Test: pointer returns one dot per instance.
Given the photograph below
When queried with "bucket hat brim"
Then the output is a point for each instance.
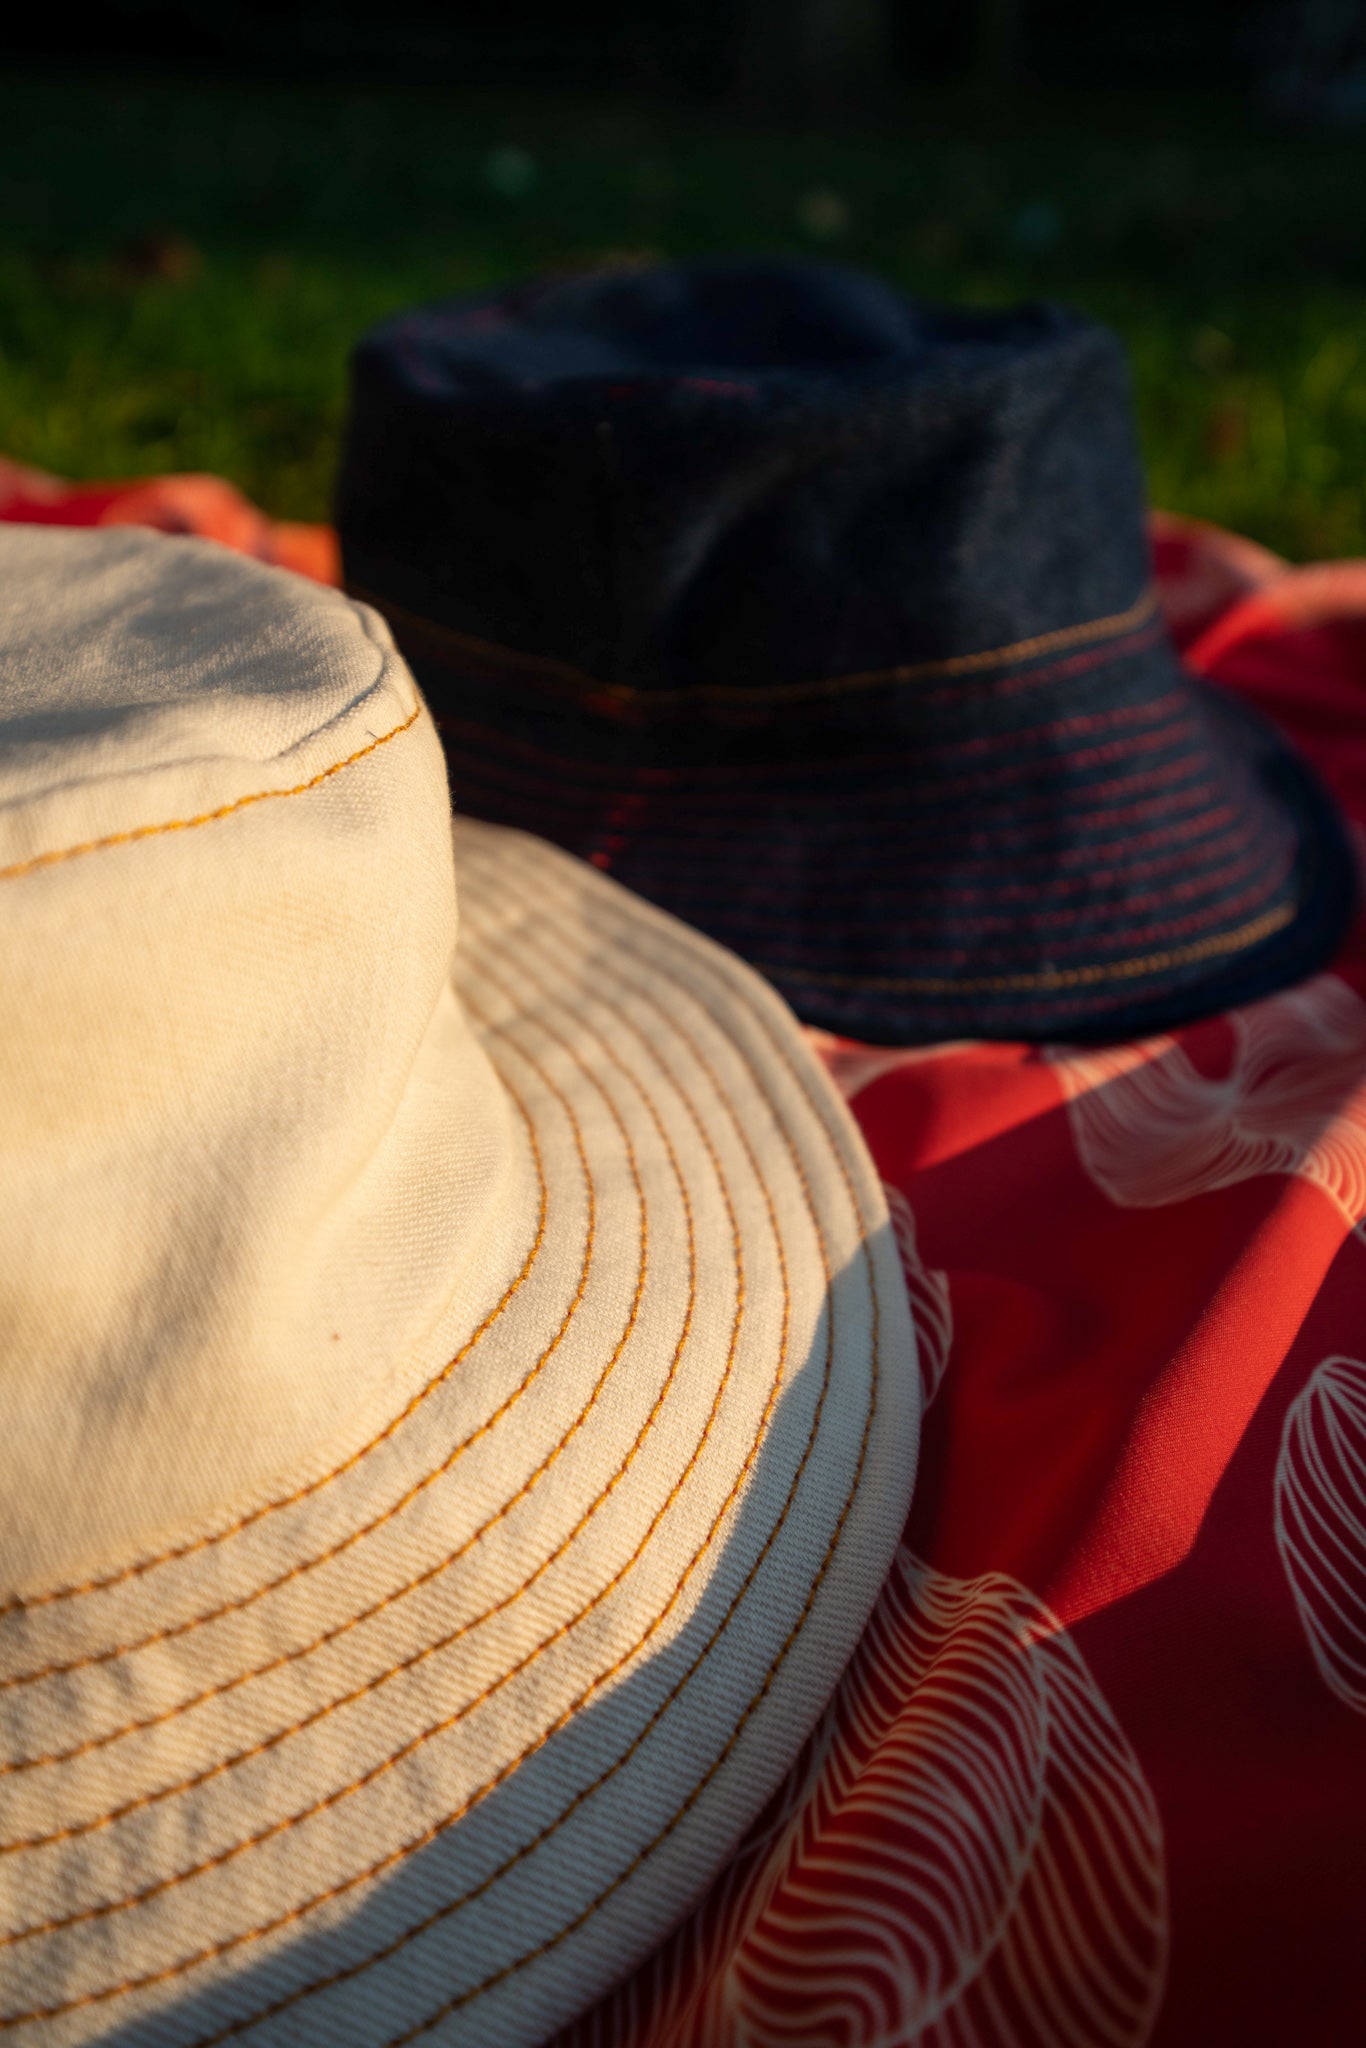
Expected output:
(1094, 844)
(438, 1738)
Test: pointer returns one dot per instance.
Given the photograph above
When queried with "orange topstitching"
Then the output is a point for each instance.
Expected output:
(745, 1716)
(1059, 977)
(174, 1630)
(241, 803)
(565, 676)
(27, 1603)
(331, 1635)
(358, 1969)
(390, 1762)
(432, 1648)
(755, 1701)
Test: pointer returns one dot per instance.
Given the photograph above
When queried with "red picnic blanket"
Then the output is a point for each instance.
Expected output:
(1097, 1773)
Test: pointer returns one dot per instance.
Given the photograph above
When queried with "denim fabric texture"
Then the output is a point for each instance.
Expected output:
(824, 619)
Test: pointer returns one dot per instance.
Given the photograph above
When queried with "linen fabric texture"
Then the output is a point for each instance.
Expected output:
(824, 618)
(456, 1419)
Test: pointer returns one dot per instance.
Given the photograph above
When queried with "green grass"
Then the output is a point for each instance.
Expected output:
(183, 266)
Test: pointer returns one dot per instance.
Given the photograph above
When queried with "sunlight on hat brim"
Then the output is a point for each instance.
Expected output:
(442, 1741)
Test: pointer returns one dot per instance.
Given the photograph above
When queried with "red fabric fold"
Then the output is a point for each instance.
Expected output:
(202, 505)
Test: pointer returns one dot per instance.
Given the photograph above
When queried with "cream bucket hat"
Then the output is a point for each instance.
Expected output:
(454, 1418)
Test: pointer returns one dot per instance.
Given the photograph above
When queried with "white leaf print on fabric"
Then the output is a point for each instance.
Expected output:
(1151, 1129)
(931, 1309)
(968, 1857)
(1320, 1520)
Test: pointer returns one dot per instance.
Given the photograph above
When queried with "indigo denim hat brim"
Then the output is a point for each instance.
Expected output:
(824, 618)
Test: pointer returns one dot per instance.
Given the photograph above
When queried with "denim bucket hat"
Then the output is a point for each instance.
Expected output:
(824, 618)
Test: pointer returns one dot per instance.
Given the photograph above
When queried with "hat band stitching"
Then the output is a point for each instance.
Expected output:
(720, 772)
(352, 1971)
(1239, 839)
(678, 846)
(466, 1628)
(1276, 873)
(1211, 879)
(566, 678)
(296, 1913)
(1202, 825)
(678, 810)
(1237, 941)
(1123, 648)
(1243, 848)
(242, 803)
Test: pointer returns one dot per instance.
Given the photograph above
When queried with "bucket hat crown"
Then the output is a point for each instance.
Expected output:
(830, 614)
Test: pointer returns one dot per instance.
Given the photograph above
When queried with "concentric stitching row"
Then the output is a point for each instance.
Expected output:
(717, 775)
(431, 1649)
(688, 814)
(355, 1970)
(27, 1603)
(1236, 941)
(465, 1998)
(755, 1702)
(507, 1770)
(241, 803)
(176, 1630)
(429, 634)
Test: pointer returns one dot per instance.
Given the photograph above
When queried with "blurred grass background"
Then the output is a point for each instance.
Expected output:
(184, 265)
